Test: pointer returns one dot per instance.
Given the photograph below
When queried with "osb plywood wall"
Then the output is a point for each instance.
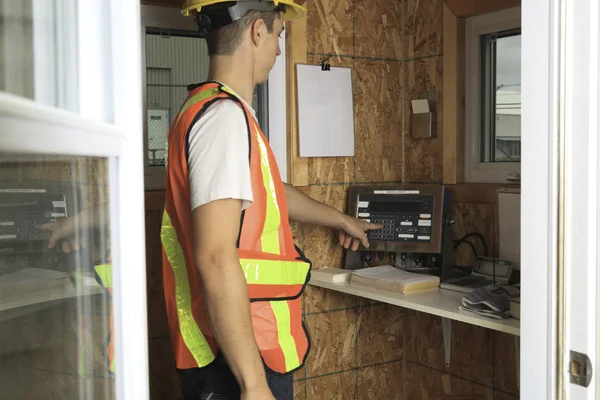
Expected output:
(56, 349)
(363, 349)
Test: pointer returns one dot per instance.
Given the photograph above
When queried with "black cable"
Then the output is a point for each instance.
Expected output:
(461, 241)
(480, 236)
(367, 258)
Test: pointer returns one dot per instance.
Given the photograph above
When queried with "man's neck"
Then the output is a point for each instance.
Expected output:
(237, 75)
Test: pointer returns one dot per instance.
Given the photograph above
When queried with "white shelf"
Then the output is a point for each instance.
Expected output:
(442, 302)
(14, 306)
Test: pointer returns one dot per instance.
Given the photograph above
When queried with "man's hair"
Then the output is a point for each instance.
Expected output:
(225, 40)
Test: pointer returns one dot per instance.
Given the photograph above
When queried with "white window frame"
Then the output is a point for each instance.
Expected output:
(104, 101)
(171, 18)
(475, 170)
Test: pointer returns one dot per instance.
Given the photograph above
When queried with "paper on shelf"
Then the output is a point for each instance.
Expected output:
(29, 280)
(393, 279)
(333, 275)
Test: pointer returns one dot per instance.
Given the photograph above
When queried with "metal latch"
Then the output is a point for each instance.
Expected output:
(580, 369)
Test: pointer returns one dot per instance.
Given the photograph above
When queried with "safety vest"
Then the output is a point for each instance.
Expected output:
(104, 273)
(275, 269)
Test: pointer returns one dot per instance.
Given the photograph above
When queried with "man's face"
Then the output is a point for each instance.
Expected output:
(269, 51)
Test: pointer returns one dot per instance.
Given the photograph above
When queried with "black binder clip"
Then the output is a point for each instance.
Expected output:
(325, 66)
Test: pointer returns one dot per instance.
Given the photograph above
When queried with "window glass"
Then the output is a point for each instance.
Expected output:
(501, 96)
(55, 303)
(37, 51)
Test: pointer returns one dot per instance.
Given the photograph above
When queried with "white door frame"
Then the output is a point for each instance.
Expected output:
(581, 189)
(539, 198)
(560, 192)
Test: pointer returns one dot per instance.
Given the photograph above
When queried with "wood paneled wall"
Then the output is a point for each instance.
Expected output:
(364, 349)
(360, 348)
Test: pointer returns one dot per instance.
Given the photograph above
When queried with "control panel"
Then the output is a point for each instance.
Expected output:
(417, 226)
(22, 212)
(404, 219)
(24, 207)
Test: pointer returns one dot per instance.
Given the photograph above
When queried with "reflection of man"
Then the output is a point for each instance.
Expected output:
(69, 234)
(236, 332)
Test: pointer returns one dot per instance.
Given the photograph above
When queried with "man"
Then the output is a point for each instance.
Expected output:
(232, 275)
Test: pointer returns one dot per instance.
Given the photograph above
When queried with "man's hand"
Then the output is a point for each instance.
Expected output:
(353, 232)
(257, 394)
(63, 231)
(306, 210)
(216, 229)
(70, 231)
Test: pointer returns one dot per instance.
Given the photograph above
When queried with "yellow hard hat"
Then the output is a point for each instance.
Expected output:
(291, 10)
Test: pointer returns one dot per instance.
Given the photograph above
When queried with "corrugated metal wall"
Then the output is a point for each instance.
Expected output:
(173, 62)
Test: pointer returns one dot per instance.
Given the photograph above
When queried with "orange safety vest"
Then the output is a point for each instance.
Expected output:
(104, 273)
(275, 269)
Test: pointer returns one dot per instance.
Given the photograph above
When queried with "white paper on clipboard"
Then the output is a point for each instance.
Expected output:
(325, 111)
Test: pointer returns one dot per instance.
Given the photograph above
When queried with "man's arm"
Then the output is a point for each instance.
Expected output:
(63, 228)
(302, 208)
(216, 228)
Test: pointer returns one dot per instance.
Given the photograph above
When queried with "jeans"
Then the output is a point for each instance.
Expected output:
(216, 382)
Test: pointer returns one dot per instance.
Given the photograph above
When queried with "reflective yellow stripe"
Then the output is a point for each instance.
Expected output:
(269, 239)
(113, 368)
(284, 334)
(198, 97)
(191, 334)
(274, 272)
(104, 271)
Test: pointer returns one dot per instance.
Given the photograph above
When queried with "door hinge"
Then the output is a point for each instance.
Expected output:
(580, 369)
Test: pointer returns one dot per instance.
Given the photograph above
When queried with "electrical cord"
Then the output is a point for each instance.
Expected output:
(468, 242)
(471, 234)
(367, 258)
(392, 257)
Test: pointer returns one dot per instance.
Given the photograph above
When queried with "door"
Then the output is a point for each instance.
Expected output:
(579, 311)
(559, 218)
(71, 191)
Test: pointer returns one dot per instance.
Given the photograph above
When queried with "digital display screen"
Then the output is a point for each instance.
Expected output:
(395, 206)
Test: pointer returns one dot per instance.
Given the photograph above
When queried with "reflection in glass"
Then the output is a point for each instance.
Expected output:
(55, 279)
(38, 56)
(501, 96)
(508, 99)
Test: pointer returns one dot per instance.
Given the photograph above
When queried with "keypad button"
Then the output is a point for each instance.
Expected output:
(412, 230)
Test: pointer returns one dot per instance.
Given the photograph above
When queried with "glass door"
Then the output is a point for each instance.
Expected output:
(71, 191)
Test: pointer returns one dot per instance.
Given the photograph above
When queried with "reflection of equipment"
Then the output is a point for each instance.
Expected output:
(487, 272)
(417, 225)
(24, 208)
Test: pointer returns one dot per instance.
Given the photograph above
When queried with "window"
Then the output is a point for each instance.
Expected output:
(175, 57)
(493, 97)
(70, 117)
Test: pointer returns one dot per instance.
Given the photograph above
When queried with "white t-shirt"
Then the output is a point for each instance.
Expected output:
(218, 155)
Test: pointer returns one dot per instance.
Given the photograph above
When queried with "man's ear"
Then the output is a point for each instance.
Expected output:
(258, 30)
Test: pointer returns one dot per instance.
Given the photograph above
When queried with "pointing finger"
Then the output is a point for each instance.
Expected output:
(374, 227)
